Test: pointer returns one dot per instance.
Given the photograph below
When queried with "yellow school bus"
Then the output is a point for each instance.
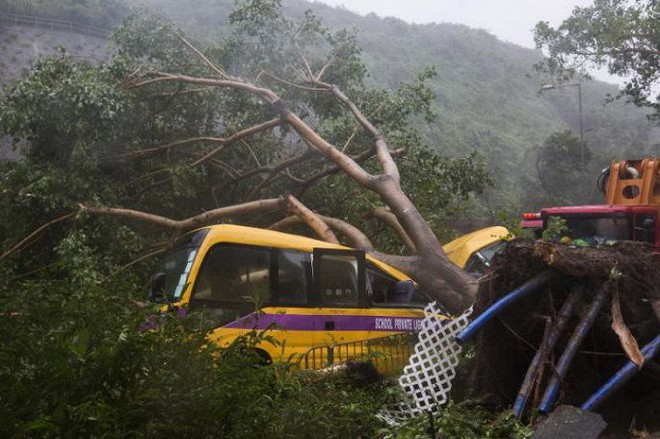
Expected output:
(308, 294)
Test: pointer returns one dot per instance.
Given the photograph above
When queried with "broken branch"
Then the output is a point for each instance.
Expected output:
(192, 222)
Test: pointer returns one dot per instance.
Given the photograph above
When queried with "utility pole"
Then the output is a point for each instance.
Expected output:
(579, 87)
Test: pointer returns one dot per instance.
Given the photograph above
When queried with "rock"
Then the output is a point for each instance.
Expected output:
(568, 422)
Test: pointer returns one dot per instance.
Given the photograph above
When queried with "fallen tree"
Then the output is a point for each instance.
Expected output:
(429, 266)
(272, 122)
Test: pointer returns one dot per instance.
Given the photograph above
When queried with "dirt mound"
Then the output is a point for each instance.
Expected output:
(628, 272)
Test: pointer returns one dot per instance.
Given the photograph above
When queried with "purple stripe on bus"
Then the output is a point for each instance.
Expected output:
(307, 322)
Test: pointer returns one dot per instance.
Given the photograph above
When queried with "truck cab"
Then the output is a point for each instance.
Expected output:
(600, 224)
(632, 205)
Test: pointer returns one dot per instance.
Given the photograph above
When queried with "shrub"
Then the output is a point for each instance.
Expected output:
(74, 364)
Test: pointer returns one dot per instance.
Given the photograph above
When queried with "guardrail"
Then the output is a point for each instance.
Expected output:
(388, 354)
(53, 24)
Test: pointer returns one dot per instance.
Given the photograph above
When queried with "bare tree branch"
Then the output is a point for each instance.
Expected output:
(393, 223)
(192, 222)
(222, 140)
(27, 239)
(149, 78)
(207, 61)
(167, 146)
(275, 170)
(321, 72)
(249, 148)
(352, 233)
(143, 257)
(382, 149)
(309, 181)
(311, 219)
(310, 75)
(289, 83)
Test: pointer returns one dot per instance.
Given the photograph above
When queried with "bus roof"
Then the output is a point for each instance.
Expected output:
(460, 249)
(271, 238)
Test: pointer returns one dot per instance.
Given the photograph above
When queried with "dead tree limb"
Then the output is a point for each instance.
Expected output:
(357, 238)
(390, 219)
(23, 242)
(192, 222)
(628, 342)
(311, 219)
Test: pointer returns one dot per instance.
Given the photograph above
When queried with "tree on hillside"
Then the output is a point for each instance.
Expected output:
(621, 35)
(245, 130)
(558, 165)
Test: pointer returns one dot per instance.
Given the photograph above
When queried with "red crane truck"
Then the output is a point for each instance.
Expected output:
(630, 212)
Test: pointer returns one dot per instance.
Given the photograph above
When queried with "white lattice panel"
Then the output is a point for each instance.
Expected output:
(427, 379)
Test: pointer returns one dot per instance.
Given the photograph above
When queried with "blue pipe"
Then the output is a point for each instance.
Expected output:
(547, 346)
(621, 377)
(572, 347)
(506, 301)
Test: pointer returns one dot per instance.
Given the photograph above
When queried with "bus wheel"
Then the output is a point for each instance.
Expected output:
(264, 358)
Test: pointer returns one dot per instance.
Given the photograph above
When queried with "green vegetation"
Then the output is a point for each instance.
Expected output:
(456, 421)
(74, 362)
(556, 229)
(559, 165)
(619, 35)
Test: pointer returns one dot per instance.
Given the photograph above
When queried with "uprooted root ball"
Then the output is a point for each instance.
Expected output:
(506, 346)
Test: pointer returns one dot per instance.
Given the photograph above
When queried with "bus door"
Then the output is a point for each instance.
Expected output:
(340, 291)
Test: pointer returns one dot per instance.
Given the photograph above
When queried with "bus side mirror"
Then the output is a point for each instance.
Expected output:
(156, 293)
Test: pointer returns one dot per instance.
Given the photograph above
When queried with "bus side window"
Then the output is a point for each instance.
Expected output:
(385, 290)
(378, 286)
(339, 285)
(234, 273)
(475, 265)
(294, 276)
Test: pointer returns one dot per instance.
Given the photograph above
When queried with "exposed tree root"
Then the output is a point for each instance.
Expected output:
(505, 347)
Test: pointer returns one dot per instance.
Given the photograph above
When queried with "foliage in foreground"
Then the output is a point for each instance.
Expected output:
(75, 364)
(456, 421)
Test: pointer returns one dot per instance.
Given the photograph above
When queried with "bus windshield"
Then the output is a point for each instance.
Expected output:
(178, 262)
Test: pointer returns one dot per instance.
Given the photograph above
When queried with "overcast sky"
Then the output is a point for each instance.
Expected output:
(509, 20)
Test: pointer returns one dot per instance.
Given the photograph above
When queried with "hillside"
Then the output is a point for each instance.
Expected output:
(486, 97)
(22, 44)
